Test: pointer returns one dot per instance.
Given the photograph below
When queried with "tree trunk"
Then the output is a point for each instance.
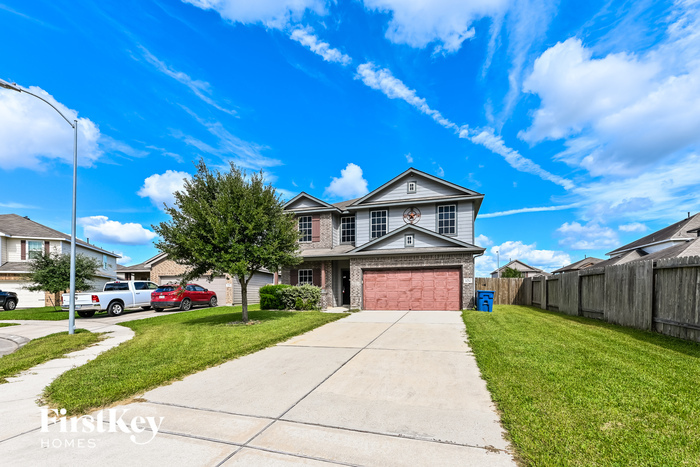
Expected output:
(244, 298)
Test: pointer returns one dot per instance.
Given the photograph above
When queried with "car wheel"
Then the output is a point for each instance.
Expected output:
(86, 314)
(213, 302)
(157, 310)
(10, 305)
(186, 304)
(115, 309)
(145, 307)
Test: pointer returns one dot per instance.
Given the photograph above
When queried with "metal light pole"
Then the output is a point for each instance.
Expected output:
(74, 125)
(498, 261)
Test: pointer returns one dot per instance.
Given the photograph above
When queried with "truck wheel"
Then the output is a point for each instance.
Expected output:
(115, 309)
(10, 305)
(86, 314)
(213, 302)
(186, 304)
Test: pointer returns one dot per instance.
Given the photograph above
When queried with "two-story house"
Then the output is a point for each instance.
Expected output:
(21, 239)
(408, 245)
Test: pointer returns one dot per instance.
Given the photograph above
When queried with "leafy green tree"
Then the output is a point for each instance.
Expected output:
(229, 223)
(51, 272)
(510, 272)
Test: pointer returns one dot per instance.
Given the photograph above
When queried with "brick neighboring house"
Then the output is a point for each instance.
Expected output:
(525, 269)
(161, 270)
(21, 238)
(409, 244)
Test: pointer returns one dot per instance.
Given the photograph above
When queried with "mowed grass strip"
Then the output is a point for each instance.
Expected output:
(44, 349)
(167, 348)
(576, 391)
(4, 325)
(44, 313)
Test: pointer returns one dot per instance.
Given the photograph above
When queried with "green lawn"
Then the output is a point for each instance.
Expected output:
(44, 349)
(167, 348)
(45, 313)
(2, 325)
(575, 391)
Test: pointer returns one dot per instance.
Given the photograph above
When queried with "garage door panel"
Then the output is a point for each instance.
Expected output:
(420, 289)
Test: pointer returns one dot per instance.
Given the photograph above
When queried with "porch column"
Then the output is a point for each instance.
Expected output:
(276, 279)
(323, 275)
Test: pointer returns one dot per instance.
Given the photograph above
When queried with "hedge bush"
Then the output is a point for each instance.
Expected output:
(290, 297)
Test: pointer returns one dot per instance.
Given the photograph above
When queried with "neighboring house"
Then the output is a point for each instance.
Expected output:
(408, 245)
(21, 239)
(525, 269)
(677, 240)
(161, 270)
(578, 265)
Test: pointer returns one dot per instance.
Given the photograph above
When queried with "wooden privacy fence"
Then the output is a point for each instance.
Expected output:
(508, 291)
(663, 295)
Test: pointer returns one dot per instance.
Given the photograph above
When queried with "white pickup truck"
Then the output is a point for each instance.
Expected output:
(114, 298)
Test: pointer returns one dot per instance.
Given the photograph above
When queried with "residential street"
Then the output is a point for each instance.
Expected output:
(376, 388)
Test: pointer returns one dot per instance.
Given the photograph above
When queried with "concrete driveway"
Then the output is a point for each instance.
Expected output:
(375, 388)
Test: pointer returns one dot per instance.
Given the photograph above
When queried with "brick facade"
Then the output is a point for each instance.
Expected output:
(166, 267)
(326, 240)
(328, 298)
(463, 260)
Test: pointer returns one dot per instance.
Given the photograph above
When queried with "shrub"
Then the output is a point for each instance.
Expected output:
(271, 297)
(301, 297)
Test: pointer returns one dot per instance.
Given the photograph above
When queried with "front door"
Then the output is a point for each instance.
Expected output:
(346, 286)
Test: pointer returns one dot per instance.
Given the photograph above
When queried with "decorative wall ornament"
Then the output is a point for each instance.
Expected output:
(411, 215)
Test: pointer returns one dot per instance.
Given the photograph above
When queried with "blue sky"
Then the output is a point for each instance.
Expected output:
(579, 121)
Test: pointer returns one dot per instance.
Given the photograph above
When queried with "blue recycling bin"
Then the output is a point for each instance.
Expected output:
(484, 300)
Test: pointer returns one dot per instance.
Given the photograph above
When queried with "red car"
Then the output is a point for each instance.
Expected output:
(172, 295)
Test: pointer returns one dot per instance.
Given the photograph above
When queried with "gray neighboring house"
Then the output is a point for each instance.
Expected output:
(675, 241)
(21, 239)
(525, 269)
(407, 245)
(578, 265)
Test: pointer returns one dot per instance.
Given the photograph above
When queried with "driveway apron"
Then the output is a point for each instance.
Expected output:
(389, 388)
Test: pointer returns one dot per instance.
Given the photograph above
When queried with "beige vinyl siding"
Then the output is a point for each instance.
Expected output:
(111, 270)
(14, 250)
(258, 280)
(3, 250)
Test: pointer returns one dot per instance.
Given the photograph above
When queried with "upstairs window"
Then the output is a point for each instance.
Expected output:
(347, 229)
(35, 249)
(306, 276)
(305, 228)
(447, 219)
(378, 223)
(409, 240)
(105, 262)
(411, 187)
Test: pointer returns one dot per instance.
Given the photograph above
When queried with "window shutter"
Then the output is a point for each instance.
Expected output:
(316, 228)
(316, 277)
(47, 248)
(294, 277)
(23, 251)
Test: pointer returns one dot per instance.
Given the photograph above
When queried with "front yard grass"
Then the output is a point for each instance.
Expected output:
(44, 349)
(167, 348)
(44, 313)
(575, 391)
(2, 325)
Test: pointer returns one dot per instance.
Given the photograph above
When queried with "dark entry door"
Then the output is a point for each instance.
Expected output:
(346, 286)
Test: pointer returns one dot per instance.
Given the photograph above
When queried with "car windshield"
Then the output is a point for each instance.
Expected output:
(116, 286)
(166, 288)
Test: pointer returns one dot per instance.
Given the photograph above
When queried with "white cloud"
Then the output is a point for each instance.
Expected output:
(526, 210)
(124, 260)
(270, 13)
(529, 254)
(101, 229)
(483, 240)
(382, 80)
(633, 227)
(591, 236)
(350, 185)
(623, 112)
(447, 23)
(12, 205)
(32, 132)
(409, 158)
(307, 38)
(440, 172)
(160, 187)
(201, 89)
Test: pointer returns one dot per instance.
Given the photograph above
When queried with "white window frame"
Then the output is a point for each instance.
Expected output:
(371, 224)
(307, 280)
(411, 186)
(30, 250)
(409, 240)
(310, 229)
(442, 229)
(342, 227)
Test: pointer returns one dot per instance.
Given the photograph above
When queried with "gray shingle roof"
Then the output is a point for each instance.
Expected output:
(136, 267)
(14, 267)
(681, 229)
(578, 265)
(18, 226)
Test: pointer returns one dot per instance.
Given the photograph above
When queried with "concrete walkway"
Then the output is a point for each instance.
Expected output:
(376, 388)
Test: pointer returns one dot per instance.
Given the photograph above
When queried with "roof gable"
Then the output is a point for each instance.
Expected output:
(437, 240)
(427, 186)
(519, 266)
(684, 229)
(304, 201)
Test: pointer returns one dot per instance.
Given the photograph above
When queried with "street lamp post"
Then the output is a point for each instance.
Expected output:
(498, 262)
(74, 125)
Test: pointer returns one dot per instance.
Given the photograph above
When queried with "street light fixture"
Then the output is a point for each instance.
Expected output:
(74, 125)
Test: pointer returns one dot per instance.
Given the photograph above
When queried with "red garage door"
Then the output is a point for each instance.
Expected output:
(417, 289)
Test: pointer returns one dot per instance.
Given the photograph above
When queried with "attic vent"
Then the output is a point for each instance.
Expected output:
(411, 187)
